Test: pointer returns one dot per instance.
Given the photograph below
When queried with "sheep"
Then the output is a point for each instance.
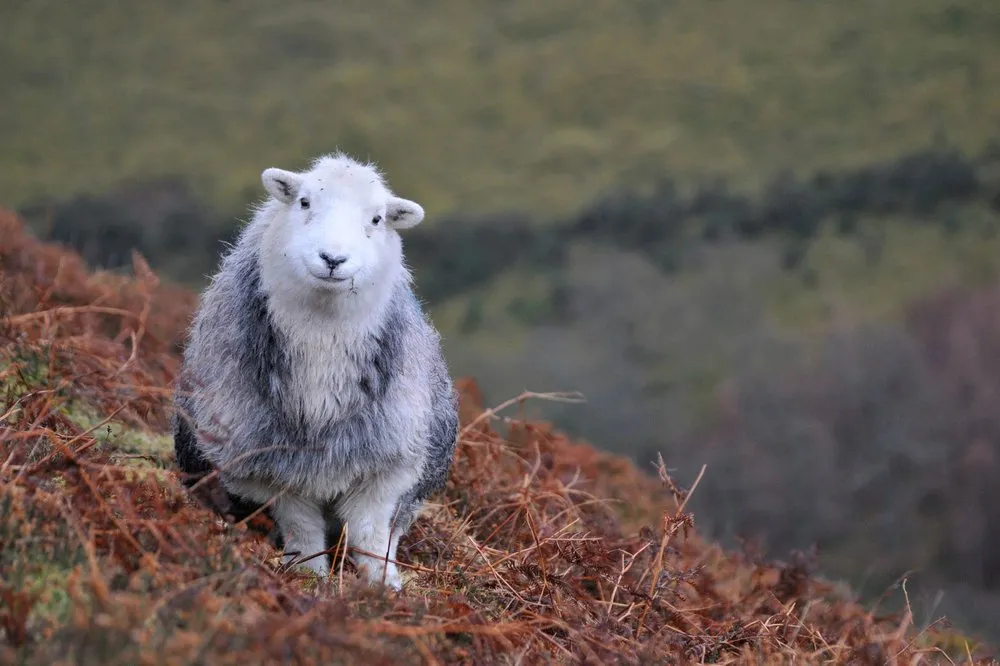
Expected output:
(312, 378)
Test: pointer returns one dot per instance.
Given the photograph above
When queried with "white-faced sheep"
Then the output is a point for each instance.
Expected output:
(312, 376)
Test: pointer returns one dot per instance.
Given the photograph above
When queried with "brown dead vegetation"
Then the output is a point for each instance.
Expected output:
(540, 550)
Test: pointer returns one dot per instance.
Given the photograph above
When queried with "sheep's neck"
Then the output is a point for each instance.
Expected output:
(324, 346)
(339, 314)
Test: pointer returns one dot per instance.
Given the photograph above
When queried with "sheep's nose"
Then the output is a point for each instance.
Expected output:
(332, 262)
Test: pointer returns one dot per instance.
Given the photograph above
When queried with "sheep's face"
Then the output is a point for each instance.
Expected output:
(337, 226)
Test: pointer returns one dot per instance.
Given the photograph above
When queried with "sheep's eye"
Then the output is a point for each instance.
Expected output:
(376, 219)
(304, 203)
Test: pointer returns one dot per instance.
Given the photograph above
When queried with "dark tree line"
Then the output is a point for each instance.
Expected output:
(165, 221)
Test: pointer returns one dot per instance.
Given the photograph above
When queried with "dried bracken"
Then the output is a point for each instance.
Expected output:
(541, 550)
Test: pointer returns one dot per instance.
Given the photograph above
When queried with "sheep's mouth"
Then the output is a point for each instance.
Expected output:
(335, 282)
(330, 278)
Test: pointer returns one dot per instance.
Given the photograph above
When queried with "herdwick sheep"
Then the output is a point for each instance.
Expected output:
(312, 378)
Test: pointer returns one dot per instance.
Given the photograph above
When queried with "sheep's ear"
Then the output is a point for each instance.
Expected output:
(282, 185)
(403, 213)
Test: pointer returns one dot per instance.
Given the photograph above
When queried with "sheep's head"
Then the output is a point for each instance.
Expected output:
(335, 227)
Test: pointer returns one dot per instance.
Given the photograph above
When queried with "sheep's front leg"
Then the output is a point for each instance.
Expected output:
(303, 529)
(368, 515)
(402, 521)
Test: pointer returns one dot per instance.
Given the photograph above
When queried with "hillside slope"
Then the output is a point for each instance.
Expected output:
(477, 105)
(540, 550)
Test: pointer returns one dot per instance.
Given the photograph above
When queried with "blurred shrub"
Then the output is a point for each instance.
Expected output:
(163, 219)
(457, 255)
(883, 449)
(98, 229)
(960, 338)
(852, 442)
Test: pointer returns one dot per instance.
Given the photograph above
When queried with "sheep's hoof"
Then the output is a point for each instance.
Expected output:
(309, 571)
(395, 584)
(390, 579)
(309, 568)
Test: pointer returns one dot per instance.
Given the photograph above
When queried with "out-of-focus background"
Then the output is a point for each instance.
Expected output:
(759, 236)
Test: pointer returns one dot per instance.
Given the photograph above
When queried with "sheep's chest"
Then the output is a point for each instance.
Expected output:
(325, 378)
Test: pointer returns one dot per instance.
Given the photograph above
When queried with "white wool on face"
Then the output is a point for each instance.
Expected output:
(337, 214)
(344, 199)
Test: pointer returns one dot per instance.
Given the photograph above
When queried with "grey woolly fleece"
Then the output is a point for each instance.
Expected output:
(242, 409)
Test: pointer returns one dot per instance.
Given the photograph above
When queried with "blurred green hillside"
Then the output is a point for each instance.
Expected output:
(478, 105)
